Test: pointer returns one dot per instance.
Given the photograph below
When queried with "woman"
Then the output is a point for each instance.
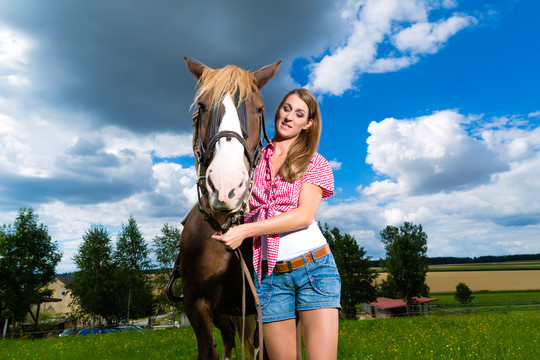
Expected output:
(296, 273)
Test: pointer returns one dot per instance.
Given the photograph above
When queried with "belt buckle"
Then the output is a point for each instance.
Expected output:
(289, 266)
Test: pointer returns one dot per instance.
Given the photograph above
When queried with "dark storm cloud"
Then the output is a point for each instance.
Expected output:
(26, 191)
(122, 61)
(518, 220)
(85, 174)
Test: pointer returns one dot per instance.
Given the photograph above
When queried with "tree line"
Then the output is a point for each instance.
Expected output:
(115, 282)
(118, 281)
(111, 280)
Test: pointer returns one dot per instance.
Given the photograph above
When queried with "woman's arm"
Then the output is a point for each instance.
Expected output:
(302, 216)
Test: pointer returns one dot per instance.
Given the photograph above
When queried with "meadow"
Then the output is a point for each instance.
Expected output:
(493, 336)
(502, 322)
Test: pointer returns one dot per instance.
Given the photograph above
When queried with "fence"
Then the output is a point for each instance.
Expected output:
(430, 309)
(488, 307)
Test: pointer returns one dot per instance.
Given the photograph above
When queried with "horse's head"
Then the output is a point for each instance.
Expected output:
(227, 131)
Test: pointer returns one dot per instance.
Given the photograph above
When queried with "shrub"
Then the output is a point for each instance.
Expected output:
(463, 293)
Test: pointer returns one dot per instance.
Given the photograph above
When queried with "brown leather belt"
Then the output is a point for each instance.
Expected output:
(296, 263)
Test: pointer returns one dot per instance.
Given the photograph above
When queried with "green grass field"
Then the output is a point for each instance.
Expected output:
(494, 336)
(490, 302)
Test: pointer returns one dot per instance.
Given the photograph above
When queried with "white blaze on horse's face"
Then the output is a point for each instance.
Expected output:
(227, 175)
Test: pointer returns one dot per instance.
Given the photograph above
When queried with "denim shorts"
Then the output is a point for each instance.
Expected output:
(314, 286)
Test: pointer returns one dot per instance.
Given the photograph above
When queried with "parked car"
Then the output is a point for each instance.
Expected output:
(94, 331)
(67, 332)
(115, 329)
(129, 327)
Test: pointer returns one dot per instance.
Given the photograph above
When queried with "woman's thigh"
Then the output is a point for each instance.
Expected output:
(280, 339)
(320, 330)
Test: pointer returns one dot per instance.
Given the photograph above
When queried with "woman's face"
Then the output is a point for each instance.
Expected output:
(292, 118)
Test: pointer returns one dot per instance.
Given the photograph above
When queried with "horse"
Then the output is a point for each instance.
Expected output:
(228, 135)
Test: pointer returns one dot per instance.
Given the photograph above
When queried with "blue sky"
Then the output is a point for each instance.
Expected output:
(430, 111)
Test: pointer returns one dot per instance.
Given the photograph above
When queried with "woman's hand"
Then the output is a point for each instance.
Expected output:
(300, 217)
(233, 238)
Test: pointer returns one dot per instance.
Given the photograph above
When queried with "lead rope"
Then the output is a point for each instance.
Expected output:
(246, 275)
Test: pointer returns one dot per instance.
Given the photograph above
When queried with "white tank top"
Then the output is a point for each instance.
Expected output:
(297, 242)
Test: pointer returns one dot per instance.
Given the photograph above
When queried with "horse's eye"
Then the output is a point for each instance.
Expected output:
(202, 107)
(260, 110)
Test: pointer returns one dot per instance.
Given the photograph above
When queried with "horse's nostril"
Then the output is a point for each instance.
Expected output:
(211, 184)
(231, 194)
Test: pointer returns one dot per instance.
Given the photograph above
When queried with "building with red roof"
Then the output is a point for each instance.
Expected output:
(386, 307)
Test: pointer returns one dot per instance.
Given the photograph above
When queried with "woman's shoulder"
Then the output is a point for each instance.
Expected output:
(318, 160)
(318, 165)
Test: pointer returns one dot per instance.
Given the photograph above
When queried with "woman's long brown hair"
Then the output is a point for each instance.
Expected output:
(306, 144)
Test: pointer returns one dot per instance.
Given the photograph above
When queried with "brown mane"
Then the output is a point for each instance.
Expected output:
(227, 80)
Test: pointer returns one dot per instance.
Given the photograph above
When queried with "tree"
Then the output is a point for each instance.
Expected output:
(166, 246)
(357, 276)
(132, 260)
(28, 258)
(463, 293)
(93, 286)
(166, 249)
(406, 262)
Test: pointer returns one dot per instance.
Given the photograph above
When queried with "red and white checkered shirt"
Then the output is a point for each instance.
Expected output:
(267, 198)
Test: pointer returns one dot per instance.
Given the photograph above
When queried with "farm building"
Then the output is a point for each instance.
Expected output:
(57, 304)
(59, 292)
(385, 307)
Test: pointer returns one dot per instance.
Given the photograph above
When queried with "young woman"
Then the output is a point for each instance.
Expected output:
(295, 271)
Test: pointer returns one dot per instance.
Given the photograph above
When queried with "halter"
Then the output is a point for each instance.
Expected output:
(203, 156)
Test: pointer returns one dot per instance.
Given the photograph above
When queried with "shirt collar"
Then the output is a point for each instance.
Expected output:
(270, 148)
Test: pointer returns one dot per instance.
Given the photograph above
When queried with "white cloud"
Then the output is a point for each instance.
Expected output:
(14, 56)
(510, 139)
(428, 154)
(476, 218)
(391, 64)
(427, 38)
(394, 216)
(335, 164)
(403, 23)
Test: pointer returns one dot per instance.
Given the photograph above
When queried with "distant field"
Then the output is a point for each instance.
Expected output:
(507, 276)
(492, 266)
(491, 297)
(509, 265)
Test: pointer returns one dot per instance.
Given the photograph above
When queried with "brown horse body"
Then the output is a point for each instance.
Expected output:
(212, 283)
(211, 274)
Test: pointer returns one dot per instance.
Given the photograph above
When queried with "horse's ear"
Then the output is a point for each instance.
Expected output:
(263, 75)
(195, 69)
